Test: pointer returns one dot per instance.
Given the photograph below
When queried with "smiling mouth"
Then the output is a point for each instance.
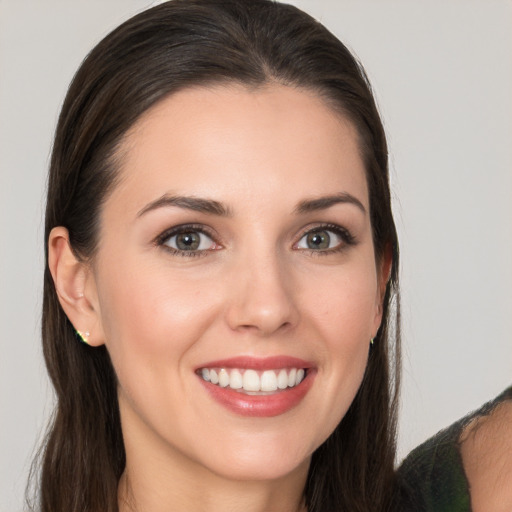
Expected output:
(252, 381)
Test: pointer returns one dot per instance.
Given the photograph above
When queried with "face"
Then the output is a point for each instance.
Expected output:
(235, 282)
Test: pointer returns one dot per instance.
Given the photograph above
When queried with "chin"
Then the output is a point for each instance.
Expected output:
(262, 470)
(266, 459)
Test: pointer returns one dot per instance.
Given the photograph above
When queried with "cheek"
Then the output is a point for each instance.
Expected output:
(152, 318)
(348, 325)
(343, 316)
(344, 308)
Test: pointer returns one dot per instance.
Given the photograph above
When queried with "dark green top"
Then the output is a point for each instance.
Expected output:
(431, 478)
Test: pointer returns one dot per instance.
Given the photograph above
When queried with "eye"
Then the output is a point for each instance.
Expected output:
(319, 240)
(325, 239)
(187, 239)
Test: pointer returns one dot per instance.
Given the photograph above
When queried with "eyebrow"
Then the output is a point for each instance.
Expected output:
(322, 203)
(208, 206)
(212, 207)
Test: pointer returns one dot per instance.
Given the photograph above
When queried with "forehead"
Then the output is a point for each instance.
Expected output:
(242, 143)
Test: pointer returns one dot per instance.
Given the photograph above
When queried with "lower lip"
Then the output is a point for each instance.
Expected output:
(262, 406)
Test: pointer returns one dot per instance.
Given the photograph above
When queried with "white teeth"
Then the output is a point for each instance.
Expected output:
(268, 381)
(235, 381)
(223, 378)
(253, 381)
(282, 380)
(292, 377)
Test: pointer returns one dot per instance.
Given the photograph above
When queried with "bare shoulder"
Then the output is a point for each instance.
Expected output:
(486, 448)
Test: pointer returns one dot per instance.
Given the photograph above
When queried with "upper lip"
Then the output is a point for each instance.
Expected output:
(258, 363)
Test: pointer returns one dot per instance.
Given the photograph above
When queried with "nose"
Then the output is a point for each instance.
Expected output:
(262, 297)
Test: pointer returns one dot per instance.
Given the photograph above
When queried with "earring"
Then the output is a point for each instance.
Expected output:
(371, 341)
(83, 336)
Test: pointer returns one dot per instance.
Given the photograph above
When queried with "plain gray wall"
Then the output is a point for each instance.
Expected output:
(442, 72)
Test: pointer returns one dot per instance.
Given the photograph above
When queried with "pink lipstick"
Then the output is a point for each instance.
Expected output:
(261, 387)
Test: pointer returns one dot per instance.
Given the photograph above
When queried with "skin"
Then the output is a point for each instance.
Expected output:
(486, 445)
(256, 290)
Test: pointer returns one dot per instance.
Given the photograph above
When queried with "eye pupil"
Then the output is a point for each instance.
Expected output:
(188, 241)
(318, 240)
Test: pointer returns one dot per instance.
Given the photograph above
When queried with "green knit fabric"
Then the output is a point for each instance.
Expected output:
(432, 478)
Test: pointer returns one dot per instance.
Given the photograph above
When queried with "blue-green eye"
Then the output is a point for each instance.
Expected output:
(189, 240)
(325, 239)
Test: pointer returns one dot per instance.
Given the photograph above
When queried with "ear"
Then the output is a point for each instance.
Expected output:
(75, 287)
(383, 275)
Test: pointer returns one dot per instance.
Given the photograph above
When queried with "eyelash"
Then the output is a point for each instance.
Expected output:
(186, 228)
(347, 239)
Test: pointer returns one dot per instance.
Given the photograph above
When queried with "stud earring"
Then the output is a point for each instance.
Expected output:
(83, 336)
(371, 341)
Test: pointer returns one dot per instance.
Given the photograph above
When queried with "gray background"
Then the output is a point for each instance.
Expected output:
(442, 72)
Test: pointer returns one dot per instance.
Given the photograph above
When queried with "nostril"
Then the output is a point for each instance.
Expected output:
(264, 305)
(264, 328)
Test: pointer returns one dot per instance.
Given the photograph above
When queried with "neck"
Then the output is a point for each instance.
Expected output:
(154, 491)
(158, 477)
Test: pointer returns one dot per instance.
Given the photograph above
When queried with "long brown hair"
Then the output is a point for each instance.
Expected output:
(175, 45)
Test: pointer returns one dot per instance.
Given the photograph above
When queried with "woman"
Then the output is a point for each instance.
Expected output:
(464, 468)
(222, 260)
